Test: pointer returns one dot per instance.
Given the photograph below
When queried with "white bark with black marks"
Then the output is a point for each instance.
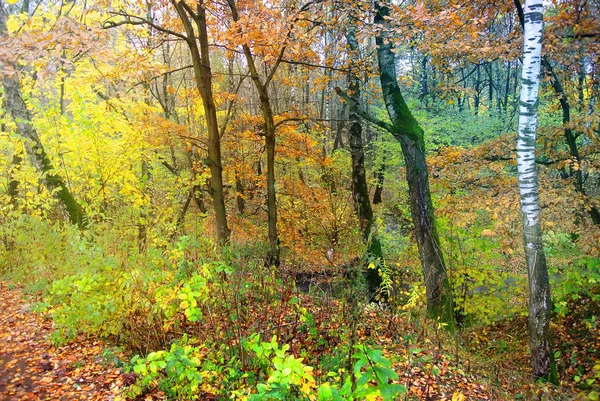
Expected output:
(539, 287)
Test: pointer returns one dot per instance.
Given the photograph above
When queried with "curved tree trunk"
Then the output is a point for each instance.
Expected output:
(539, 287)
(407, 131)
(262, 87)
(203, 77)
(35, 150)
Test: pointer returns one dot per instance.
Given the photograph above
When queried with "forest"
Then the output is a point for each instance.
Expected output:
(300, 200)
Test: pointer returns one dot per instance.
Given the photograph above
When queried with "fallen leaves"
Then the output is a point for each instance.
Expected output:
(32, 369)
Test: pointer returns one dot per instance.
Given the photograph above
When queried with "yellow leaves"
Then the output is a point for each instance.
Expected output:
(320, 82)
(458, 396)
(488, 233)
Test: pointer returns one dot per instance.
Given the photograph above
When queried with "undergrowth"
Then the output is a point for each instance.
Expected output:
(201, 323)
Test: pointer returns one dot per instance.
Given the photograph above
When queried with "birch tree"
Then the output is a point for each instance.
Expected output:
(539, 287)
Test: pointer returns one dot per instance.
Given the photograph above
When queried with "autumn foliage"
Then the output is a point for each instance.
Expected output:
(173, 284)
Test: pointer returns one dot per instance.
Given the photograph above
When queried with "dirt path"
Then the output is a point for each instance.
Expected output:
(32, 369)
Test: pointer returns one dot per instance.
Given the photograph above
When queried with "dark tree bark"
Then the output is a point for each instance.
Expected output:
(477, 88)
(199, 50)
(379, 176)
(360, 189)
(239, 187)
(506, 90)
(13, 183)
(407, 131)
(262, 86)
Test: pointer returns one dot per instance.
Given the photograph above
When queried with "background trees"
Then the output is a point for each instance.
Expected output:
(214, 131)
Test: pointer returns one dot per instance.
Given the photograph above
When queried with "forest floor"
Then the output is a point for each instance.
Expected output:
(31, 368)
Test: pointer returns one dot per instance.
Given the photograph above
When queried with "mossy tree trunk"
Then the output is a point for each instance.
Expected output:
(13, 100)
(407, 131)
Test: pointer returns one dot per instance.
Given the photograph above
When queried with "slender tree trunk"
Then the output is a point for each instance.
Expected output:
(182, 213)
(506, 90)
(360, 189)
(146, 182)
(407, 131)
(33, 146)
(424, 84)
(379, 176)
(262, 86)
(203, 76)
(477, 90)
(490, 73)
(539, 287)
(570, 138)
(198, 198)
(13, 183)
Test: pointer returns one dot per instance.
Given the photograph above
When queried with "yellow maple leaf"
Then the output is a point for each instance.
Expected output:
(458, 396)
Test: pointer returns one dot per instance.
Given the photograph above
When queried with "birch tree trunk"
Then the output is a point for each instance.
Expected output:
(539, 287)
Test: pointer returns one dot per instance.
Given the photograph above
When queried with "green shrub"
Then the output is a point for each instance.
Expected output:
(176, 371)
(580, 278)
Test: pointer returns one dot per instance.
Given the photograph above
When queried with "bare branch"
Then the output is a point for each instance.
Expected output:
(135, 20)
(386, 126)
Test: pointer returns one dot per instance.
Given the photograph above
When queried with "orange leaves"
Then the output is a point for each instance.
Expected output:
(32, 369)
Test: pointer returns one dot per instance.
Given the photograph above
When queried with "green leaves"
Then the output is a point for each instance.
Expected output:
(175, 371)
(372, 366)
(194, 291)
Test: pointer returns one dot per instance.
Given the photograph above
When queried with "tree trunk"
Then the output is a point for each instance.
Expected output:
(410, 135)
(360, 189)
(267, 111)
(146, 179)
(506, 91)
(13, 183)
(477, 97)
(539, 287)
(239, 188)
(33, 146)
(570, 138)
(380, 176)
(203, 78)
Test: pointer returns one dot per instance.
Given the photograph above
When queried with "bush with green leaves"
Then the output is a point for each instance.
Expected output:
(580, 278)
(91, 302)
(176, 371)
(373, 377)
(290, 379)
